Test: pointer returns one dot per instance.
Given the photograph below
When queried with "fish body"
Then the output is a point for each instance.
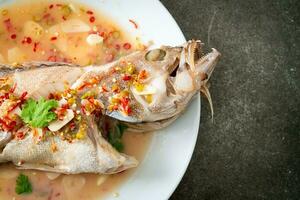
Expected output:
(146, 89)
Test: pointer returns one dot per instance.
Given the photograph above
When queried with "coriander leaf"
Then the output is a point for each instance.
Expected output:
(23, 184)
(38, 113)
(115, 136)
(122, 128)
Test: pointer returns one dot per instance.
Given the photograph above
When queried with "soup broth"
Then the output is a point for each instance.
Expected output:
(67, 32)
(60, 31)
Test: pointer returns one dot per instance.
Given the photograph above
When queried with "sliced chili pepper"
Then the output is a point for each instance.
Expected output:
(46, 15)
(35, 46)
(89, 12)
(117, 47)
(13, 36)
(126, 77)
(20, 135)
(134, 23)
(8, 25)
(127, 46)
(92, 19)
(53, 38)
(52, 58)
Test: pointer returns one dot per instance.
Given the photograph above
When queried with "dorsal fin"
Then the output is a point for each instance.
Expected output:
(6, 69)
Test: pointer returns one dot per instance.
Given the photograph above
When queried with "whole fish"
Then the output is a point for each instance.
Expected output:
(146, 89)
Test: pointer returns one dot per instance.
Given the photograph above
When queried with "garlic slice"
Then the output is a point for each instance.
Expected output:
(94, 39)
(58, 124)
(75, 26)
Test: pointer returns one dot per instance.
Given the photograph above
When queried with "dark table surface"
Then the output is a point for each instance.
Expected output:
(252, 149)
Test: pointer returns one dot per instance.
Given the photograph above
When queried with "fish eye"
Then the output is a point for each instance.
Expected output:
(155, 55)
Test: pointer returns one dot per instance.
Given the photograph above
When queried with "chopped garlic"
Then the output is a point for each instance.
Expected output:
(58, 124)
(62, 102)
(94, 39)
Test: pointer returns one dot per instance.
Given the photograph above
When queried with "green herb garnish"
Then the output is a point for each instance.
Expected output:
(23, 185)
(38, 113)
(115, 136)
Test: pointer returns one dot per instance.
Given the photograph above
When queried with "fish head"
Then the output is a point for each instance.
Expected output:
(168, 77)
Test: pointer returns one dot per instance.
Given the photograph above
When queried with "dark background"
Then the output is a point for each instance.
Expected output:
(252, 150)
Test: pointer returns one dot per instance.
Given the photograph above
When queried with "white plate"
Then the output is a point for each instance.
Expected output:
(171, 149)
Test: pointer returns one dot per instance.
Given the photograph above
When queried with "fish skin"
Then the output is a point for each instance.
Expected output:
(39, 79)
(180, 76)
(90, 155)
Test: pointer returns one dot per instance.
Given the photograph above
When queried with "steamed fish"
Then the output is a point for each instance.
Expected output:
(50, 112)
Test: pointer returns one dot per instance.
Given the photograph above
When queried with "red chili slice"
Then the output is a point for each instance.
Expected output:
(52, 58)
(134, 23)
(92, 19)
(29, 40)
(117, 47)
(53, 38)
(82, 108)
(13, 36)
(20, 135)
(127, 46)
(126, 77)
(46, 15)
(7, 123)
(109, 57)
(125, 105)
(13, 88)
(89, 12)
(8, 25)
(35, 46)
